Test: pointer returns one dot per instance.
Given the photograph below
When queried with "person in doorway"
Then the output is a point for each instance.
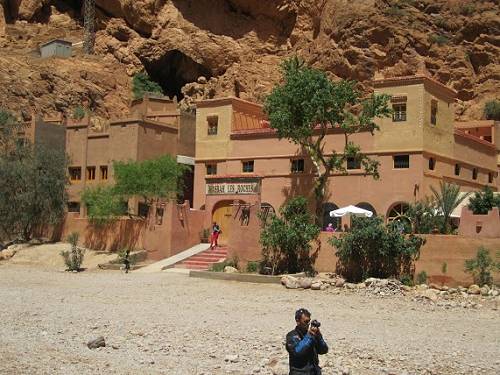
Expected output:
(216, 231)
(330, 228)
(303, 345)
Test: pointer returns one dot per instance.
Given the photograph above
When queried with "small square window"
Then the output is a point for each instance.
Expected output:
(353, 163)
(248, 166)
(457, 169)
(104, 172)
(474, 173)
(75, 173)
(143, 209)
(432, 163)
(401, 161)
(297, 165)
(213, 123)
(90, 173)
(73, 206)
(434, 110)
(211, 169)
(399, 112)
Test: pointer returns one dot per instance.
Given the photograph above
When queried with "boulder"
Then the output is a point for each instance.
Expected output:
(96, 343)
(474, 289)
(316, 286)
(339, 283)
(290, 282)
(7, 253)
(430, 294)
(305, 282)
(229, 269)
(485, 290)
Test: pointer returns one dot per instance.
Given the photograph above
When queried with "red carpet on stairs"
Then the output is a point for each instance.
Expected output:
(204, 260)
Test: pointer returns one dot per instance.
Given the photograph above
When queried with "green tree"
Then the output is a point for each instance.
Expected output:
(33, 185)
(492, 110)
(447, 198)
(78, 112)
(423, 216)
(142, 83)
(481, 267)
(372, 249)
(286, 240)
(73, 259)
(103, 204)
(306, 106)
(483, 201)
(149, 179)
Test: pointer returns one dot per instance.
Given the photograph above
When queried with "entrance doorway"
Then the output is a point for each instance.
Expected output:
(222, 214)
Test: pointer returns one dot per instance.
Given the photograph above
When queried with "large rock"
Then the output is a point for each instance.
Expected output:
(305, 282)
(474, 289)
(29, 8)
(290, 282)
(430, 294)
(96, 343)
(229, 269)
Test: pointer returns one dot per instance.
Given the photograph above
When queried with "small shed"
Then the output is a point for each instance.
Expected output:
(56, 47)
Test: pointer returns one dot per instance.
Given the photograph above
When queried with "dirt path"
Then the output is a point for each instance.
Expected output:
(171, 324)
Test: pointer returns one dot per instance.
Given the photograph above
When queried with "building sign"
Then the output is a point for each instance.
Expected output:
(233, 187)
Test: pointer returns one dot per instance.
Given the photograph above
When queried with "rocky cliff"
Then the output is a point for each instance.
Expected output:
(237, 46)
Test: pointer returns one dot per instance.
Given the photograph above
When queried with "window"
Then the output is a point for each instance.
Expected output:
(75, 173)
(159, 215)
(490, 177)
(213, 122)
(248, 166)
(90, 173)
(457, 169)
(353, 163)
(297, 165)
(399, 112)
(432, 163)
(474, 173)
(104, 172)
(73, 206)
(211, 168)
(401, 161)
(434, 110)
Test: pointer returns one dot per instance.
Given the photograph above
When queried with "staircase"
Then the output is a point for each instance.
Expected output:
(203, 260)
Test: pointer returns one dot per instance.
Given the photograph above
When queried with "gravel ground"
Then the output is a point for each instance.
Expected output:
(171, 324)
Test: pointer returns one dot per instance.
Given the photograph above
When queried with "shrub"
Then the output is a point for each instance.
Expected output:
(467, 9)
(423, 216)
(421, 277)
(219, 266)
(439, 39)
(73, 258)
(253, 267)
(483, 201)
(286, 240)
(142, 83)
(78, 113)
(444, 267)
(481, 266)
(371, 249)
(406, 280)
(492, 110)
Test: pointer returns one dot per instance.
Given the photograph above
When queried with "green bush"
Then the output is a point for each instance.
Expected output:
(421, 278)
(73, 259)
(439, 39)
(492, 110)
(286, 240)
(395, 10)
(78, 113)
(253, 267)
(406, 280)
(372, 249)
(483, 201)
(142, 83)
(219, 267)
(467, 9)
(482, 266)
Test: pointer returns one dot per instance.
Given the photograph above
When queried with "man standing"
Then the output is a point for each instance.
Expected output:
(215, 235)
(304, 344)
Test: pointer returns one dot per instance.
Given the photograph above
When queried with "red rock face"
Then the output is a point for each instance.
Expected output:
(237, 45)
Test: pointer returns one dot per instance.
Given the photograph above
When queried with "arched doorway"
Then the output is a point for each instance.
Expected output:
(222, 213)
(327, 219)
(266, 210)
(367, 206)
(398, 215)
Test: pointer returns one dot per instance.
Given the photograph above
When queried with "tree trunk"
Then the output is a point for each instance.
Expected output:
(319, 196)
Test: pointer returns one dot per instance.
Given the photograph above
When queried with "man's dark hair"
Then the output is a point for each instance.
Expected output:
(300, 312)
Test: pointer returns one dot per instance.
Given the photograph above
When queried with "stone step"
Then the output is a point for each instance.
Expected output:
(207, 258)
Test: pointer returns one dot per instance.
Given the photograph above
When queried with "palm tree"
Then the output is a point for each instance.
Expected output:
(447, 199)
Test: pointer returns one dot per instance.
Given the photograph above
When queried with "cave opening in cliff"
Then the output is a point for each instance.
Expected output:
(173, 70)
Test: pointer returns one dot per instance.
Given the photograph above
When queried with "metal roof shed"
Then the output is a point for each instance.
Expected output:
(56, 47)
